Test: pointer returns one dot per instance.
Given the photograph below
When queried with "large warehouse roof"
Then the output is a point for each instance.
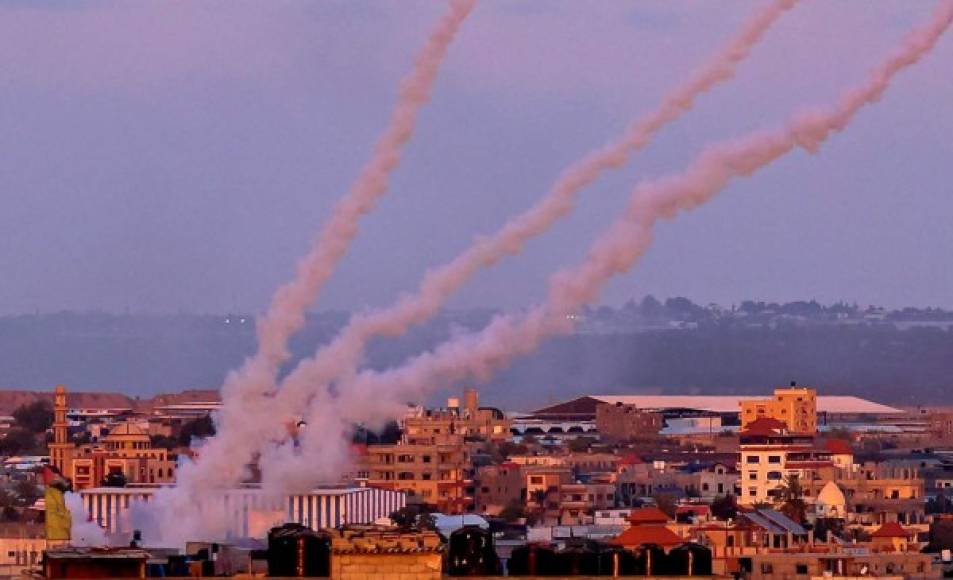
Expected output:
(712, 403)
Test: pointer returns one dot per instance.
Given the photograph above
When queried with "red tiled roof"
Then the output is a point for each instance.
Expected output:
(651, 534)
(765, 426)
(891, 530)
(648, 515)
(701, 510)
(838, 447)
(630, 459)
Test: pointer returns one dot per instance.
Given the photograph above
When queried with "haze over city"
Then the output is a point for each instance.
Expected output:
(365, 290)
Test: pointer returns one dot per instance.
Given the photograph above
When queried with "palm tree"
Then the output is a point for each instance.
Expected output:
(791, 498)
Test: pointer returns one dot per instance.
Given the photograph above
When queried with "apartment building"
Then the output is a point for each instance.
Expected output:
(770, 453)
(497, 486)
(795, 406)
(622, 422)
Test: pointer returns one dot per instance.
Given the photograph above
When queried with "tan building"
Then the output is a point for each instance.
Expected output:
(21, 547)
(433, 468)
(621, 422)
(362, 554)
(127, 450)
(794, 406)
(875, 494)
(470, 420)
(770, 454)
(498, 486)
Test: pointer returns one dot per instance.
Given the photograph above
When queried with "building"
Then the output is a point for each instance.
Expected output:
(359, 554)
(648, 526)
(21, 547)
(471, 420)
(498, 486)
(830, 408)
(621, 422)
(432, 460)
(770, 454)
(796, 407)
(73, 562)
(252, 513)
(126, 450)
(434, 468)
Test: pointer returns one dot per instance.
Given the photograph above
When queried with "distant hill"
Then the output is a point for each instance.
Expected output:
(901, 357)
(11, 399)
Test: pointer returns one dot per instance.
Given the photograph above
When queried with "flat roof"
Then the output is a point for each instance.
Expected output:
(843, 404)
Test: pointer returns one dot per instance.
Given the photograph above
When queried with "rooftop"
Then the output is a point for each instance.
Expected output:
(586, 405)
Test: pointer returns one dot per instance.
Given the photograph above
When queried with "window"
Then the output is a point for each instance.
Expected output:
(753, 459)
(774, 459)
(705, 487)
(753, 491)
(753, 475)
(800, 569)
(775, 476)
(426, 458)
(536, 479)
(767, 568)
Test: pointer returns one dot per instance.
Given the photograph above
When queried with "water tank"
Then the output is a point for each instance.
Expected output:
(579, 558)
(615, 561)
(690, 559)
(650, 560)
(533, 560)
(297, 551)
(471, 553)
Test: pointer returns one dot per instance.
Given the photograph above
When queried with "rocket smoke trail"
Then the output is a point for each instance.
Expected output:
(375, 395)
(344, 353)
(244, 387)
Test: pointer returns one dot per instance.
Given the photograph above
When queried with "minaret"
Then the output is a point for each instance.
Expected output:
(60, 449)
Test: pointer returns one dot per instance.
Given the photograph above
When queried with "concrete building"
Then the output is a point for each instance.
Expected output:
(21, 547)
(498, 486)
(770, 454)
(252, 514)
(622, 422)
(126, 450)
(796, 407)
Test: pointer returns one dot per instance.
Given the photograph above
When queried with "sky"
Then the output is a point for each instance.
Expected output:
(181, 156)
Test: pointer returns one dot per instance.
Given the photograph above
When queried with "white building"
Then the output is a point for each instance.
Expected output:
(252, 513)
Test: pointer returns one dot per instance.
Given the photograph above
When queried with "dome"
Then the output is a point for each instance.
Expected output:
(831, 495)
(831, 502)
(127, 431)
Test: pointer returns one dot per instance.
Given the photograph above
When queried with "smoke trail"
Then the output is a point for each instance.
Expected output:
(343, 354)
(244, 388)
(374, 395)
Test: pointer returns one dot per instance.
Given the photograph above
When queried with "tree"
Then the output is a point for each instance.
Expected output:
(724, 507)
(666, 502)
(791, 498)
(198, 428)
(580, 444)
(513, 511)
(17, 440)
(114, 479)
(35, 417)
(26, 493)
(409, 516)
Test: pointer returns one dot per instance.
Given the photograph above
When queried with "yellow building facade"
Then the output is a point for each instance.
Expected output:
(795, 406)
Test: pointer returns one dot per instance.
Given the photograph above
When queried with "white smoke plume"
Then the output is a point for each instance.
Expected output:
(372, 396)
(341, 357)
(83, 532)
(343, 354)
(245, 388)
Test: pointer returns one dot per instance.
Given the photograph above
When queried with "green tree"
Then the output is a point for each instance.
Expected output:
(666, 502)
(791, 499)
(580, 444)
(18, 441)
(513, 511)
(198, 428)
(724, 507)
(35, 417)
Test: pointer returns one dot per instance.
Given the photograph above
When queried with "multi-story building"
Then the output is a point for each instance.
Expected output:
(498, 486)
(621, 422)
(795, 406)
(470, 420)
(434, 468)
(876, 494)
(126, 450)
(579, 501)
(770, 453)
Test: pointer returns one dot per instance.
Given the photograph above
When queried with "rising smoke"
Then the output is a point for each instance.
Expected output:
(373, 396)
(243, 393)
